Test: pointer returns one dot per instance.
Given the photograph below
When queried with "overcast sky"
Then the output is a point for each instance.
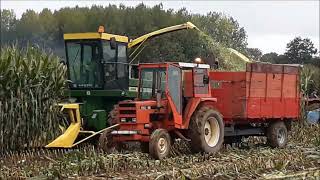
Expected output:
(270, 25)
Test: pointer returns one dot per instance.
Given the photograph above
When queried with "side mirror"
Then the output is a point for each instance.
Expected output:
(113, 43)
(205, 79)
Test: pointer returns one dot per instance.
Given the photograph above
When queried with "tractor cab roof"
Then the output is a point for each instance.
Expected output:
(180, 64)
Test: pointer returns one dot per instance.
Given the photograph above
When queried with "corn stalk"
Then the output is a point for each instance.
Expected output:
(31, 83)
(306, 80)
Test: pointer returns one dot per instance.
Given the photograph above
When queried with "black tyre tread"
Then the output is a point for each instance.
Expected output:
(153, 143)
(196, 122)
(272, 134)
(144, 146)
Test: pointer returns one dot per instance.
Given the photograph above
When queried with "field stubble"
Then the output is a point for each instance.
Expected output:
(250, 159)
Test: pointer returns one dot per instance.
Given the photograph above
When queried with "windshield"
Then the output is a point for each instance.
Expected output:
(115, 66)
(83, 62)
(152, 80)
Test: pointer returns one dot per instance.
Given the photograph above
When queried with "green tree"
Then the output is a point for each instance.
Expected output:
(271, 57)
(8, 23)
(28, 28)
(254, 53)
(300, 50)
(47, 28)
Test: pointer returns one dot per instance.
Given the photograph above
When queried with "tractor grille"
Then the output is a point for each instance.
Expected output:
(127, 111)
(127, 105)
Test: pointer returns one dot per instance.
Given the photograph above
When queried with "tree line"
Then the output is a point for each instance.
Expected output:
(47, 27)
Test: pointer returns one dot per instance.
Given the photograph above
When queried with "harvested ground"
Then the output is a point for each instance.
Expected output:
(251, 159)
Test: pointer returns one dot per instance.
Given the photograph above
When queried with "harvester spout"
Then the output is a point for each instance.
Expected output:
(67, 139)
(141, 39)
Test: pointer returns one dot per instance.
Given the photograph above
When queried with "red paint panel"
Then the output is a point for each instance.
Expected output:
(253, 108)
(278, 108)
(291, 107)
(266, 108)
(187, 84)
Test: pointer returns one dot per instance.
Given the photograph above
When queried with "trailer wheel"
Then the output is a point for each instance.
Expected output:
(277, 134)
(206, 130)
(160, 144)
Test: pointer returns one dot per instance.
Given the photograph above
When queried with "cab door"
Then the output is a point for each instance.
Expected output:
(174, 87)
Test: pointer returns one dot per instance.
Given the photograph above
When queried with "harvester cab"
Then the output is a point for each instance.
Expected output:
(96, 61)
(101, 73)
(173, 99)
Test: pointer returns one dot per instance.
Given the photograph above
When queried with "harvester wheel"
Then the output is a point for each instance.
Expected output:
(160, 144)
(277, 134)
(206, 130)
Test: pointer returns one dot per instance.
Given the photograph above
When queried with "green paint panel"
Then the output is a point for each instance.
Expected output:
(98, 119)
(100, 93)
(95, 105)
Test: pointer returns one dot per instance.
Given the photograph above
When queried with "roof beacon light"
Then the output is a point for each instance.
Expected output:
(198, 60)
(101, 29)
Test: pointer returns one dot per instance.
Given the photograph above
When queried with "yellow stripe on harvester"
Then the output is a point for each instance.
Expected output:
(95, 35)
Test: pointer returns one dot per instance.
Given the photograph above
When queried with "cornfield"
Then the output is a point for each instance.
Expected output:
(31, 83)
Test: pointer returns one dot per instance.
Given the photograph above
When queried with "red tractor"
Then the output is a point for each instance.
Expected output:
(177, 100)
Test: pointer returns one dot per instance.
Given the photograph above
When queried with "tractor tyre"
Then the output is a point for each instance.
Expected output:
(105, 142)
(206, 130)
(160, 144)
(105, 139)
(144, 146)
(277, 135)
(111, 119)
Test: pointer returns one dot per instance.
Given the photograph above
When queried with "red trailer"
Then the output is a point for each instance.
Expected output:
(263, 94)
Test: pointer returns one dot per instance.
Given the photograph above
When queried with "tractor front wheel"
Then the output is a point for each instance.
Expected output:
(160, 144)
(206, 130)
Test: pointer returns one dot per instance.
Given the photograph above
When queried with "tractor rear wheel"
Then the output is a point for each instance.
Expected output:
(277, 134)
(160, 144)
(206, 130)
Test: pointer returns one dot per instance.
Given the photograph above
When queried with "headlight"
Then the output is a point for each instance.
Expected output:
(134, 119)
(123, 119)
(145, 107)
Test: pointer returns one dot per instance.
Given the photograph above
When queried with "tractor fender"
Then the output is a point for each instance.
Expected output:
(192, 105)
